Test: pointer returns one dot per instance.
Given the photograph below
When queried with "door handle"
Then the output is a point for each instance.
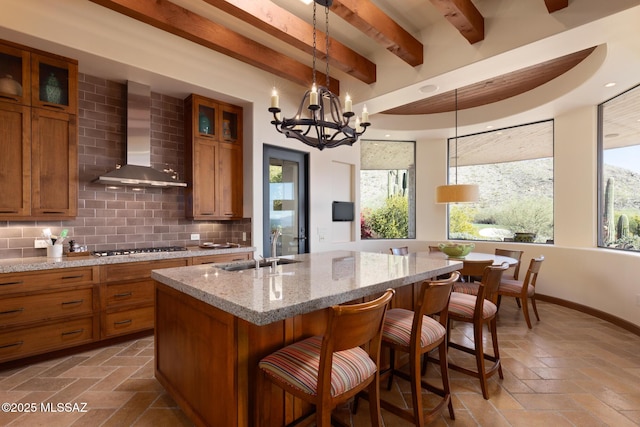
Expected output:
(300, 237)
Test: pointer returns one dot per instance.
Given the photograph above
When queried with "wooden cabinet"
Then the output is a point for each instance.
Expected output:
(15, 161)
(38, 125)
(46, 311)
(55, 309)
(214, 159)
(127, 296)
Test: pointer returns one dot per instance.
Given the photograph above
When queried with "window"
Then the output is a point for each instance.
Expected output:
(387, 189)
(619, 171)
(513, 168)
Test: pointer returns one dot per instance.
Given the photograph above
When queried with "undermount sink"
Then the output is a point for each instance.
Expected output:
(251, 266)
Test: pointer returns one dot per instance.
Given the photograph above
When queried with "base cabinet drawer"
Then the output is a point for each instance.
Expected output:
(53, 336)
(45, 306)
(127, 321)
(129, 293)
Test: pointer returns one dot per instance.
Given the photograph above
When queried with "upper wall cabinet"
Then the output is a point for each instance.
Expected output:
(213, 132)
(15, 75)
(54, 83)
(39, 133)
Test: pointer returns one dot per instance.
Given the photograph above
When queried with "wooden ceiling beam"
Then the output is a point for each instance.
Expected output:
(287, 27)
(181, 22)
(555, 5)
(463, 15)
(373, 22)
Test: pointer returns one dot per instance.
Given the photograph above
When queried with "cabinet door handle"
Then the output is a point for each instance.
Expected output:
(77, 331)
(122, 322)
(123, 294)
(19, 282)
(78, 301)
(17, 310)
(15, 344)
(57, 107)
(9, 212)
(9, 97)
(71, 277)
(206, 213)
(54, 212)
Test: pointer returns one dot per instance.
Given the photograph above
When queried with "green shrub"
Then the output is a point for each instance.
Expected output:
(390, 221)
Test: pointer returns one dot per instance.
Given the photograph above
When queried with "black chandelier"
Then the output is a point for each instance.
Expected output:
(320, 120)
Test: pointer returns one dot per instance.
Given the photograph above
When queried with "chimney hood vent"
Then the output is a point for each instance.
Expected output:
(138, 171)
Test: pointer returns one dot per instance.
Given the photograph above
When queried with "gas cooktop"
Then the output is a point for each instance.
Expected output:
(113, 252)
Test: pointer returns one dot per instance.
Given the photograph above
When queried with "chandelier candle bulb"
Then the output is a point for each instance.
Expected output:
(365, 115)
(313, 96)
(275, 101)
(348, 104)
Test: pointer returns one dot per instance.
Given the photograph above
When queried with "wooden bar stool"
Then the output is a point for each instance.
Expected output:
(478, 310)
(524, 290)
(416, 333)
(331, 369)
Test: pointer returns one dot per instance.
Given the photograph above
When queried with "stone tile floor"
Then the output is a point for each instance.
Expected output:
(571, 369)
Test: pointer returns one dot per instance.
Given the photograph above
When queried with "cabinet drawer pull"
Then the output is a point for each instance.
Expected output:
(54, 212)
(123, 294)
(122, 322)
(77, 331)
(15, 344)
(19, 282)
(206, 213)
(9, 212)
(78, 301)
(17, 310)
(71, 277)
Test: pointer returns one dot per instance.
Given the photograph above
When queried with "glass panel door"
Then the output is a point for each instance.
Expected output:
(285, 210)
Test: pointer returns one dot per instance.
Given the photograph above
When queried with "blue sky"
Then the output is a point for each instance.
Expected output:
(626, 157)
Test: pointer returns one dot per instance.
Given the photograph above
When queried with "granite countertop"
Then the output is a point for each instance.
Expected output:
(18, 265)
(318, 281)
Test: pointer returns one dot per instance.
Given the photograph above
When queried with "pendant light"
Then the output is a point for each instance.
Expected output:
(457, 193)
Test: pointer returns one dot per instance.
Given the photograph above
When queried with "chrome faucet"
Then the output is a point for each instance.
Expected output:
(275, 233)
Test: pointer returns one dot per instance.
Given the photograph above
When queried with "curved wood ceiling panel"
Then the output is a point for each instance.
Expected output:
(495, 89)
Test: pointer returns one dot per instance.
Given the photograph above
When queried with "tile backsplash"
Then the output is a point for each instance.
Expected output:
(124, 217)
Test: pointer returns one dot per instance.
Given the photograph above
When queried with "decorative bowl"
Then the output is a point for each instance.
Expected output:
(456, 250)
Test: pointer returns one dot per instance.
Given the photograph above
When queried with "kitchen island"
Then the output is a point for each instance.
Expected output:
(215, 322)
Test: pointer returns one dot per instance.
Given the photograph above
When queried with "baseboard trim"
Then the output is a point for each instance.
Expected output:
(624, 324)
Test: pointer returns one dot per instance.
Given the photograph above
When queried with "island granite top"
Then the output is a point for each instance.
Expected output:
(319, 280)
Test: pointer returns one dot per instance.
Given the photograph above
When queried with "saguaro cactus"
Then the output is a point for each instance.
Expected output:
(622, 229)
(609, 220)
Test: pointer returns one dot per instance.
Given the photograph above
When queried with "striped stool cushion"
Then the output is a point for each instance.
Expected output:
(514, 287)
(466, 288)
(397, 328)
(463, 305)
(297, 364)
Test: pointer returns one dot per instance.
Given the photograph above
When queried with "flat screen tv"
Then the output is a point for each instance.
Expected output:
(343, 211)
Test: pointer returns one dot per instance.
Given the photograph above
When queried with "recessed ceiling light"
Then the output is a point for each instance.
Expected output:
(428, 88)
(388, 135)
(306, 1)
(610, 84)
(490, 127)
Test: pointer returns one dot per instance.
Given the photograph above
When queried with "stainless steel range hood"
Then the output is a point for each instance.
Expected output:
(138, 171)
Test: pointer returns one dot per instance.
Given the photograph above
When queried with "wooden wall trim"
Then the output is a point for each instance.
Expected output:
(624, 324)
